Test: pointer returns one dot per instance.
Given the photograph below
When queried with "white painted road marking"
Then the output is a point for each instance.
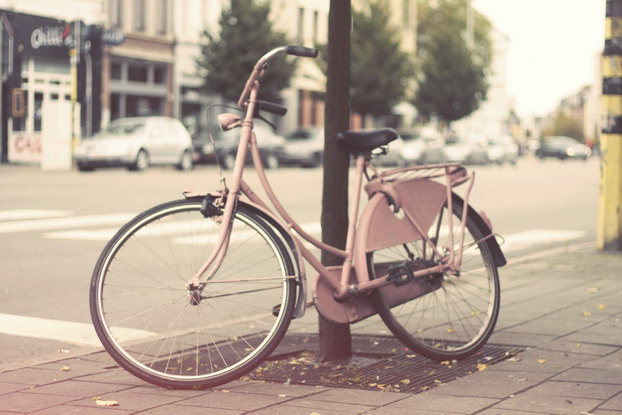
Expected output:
(64, 331)
(60, 223)
(19, 214)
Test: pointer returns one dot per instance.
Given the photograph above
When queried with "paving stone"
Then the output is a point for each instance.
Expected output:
(33, 376)
(534, 401)
(25, 402)
(496, 384)
(116, 376)
(313, 405)
(589, 375)
(175, 409)
(576, 346)
(507, 337)
(612, 361)
(80, 410)
(614, 403)
(12, 387)
(578, 389)
(278, 389)
(234, 400)
(129, 400)
(359, 396)
(547, 361)
(77, 389)
(447, 403)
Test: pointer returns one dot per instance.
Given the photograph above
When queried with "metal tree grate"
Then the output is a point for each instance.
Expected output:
(379, 363)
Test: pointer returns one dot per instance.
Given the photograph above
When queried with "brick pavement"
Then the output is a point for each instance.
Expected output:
(564, 309)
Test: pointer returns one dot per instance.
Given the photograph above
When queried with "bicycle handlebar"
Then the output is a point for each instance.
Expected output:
(261, 65)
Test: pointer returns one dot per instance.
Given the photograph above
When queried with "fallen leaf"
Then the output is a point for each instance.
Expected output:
(63, 351)
(446, 363)
(522, 380)
(410, 356)
(601, 306)
(514, 359)
(106, 403)
(593, 290)
(586, 313)
(405, 381)
(541, 361)
(481, 367)
(65, 369)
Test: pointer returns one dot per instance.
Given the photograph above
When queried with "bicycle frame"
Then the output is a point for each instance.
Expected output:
(337, 289)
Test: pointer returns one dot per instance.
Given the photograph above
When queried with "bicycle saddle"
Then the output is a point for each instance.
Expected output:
(367, 140)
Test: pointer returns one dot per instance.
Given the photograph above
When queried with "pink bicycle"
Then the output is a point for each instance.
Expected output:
(199, 291)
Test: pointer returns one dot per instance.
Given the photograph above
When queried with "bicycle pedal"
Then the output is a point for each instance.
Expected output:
(276, 310)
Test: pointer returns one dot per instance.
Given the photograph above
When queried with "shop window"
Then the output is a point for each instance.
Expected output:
(37, 110)
(137, 74)
(159, 75)
(116, 70)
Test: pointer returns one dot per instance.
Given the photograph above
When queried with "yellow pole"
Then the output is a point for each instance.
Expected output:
(609, 230)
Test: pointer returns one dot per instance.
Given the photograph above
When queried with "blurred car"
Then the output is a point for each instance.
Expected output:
(304, 147)
(226, 143)
(470, 149)
(502, 149)
(422, 147)
(393, 155)
(563, 148)
(137, 143)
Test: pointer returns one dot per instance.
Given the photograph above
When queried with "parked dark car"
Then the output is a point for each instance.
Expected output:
(563, 148)
(304, 147)
(225, 147)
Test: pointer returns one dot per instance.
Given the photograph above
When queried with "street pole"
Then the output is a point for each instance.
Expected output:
(74, 60)
(609, 231)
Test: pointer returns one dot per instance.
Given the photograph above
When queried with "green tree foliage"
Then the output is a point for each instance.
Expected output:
(451, 77)
(563, 124)
(229, 56)
(380, 71)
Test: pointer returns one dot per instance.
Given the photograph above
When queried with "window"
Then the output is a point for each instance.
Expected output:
(116, 13)
(137, 73)
(316, 22)
(139, 17)
(301, 31)
(116, 70)
(159, 75)
(162, 17)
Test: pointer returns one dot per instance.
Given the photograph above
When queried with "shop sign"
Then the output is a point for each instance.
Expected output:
(51, 36)
(113, 37)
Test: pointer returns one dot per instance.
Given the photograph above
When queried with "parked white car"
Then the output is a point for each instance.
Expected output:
(422, 147)
(137, 143)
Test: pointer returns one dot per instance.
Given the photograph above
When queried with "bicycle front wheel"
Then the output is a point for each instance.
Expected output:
(164, 333)
(451, 316)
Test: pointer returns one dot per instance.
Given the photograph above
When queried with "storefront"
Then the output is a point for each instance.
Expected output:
(41, 76)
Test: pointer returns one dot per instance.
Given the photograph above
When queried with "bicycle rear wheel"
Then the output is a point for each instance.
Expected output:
(160, 331)
(453, 316)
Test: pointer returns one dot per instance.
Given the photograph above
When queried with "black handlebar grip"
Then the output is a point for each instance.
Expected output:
(301, 51)
(271, 108)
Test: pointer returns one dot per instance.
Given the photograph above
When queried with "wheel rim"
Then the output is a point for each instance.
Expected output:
(163, 334)
(142, 160)
(458, 313)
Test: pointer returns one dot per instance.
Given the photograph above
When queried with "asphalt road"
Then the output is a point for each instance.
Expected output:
(53, 226)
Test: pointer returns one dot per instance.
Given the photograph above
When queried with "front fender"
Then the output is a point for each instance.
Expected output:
(292, 245)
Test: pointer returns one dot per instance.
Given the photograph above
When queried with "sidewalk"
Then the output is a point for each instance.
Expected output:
(564, 311)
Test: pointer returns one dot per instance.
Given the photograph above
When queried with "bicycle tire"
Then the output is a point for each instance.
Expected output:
(455, 315)
(161, 332)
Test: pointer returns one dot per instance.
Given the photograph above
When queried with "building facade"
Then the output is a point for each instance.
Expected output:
(37, 39)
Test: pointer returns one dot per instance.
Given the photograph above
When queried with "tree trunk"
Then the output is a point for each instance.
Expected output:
(335, 339)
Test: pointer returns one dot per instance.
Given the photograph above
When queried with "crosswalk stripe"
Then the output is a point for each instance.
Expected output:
(20, 214)
(68, 222)
(64, 331)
